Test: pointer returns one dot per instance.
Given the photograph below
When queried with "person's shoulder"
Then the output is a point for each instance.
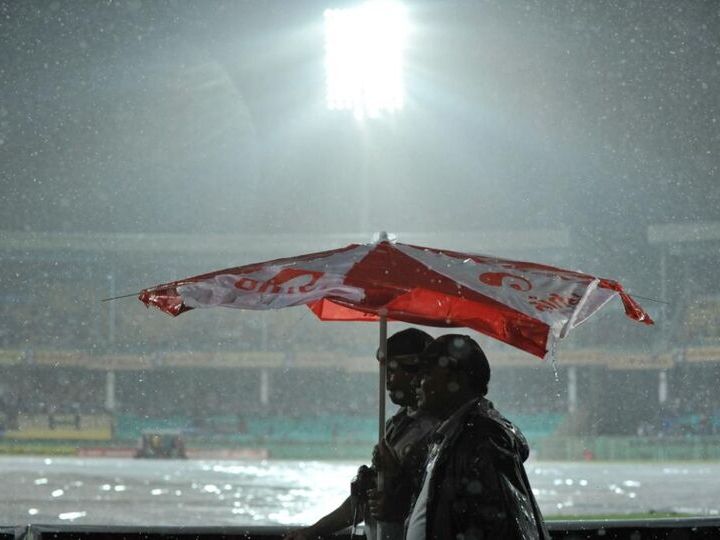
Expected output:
(400, 414)
(485, 414)
(484, 424)
(399, 417)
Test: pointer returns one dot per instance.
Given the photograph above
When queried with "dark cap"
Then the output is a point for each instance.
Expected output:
(459, 352)
(404, 347)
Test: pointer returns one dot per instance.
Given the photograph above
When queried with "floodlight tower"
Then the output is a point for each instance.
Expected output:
(364, 47)
(364, 50)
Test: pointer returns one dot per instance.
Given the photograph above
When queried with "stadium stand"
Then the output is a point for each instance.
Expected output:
(255, 377)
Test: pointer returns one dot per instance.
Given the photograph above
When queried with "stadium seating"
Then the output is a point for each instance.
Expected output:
(318, 429)
(257, 430)
(537, 425)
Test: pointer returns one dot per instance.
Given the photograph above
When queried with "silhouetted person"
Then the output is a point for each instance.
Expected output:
(474, 485)
(404, 451)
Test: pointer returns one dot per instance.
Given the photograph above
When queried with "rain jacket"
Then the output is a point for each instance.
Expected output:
(475, 485)
(408, 434)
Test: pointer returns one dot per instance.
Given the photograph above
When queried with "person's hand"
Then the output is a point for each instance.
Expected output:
(301, 534)
(385, 460)
(381, 506)
(376, 503)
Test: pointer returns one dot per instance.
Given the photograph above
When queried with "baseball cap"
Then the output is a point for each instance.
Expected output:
(404, 347)
(459, 352)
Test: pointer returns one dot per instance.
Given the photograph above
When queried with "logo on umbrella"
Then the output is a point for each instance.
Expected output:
(501, 279)
(287, 281)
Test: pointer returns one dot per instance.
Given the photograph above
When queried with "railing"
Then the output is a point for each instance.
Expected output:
(655, 529)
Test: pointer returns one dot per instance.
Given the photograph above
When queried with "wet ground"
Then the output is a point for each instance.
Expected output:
(111, 491)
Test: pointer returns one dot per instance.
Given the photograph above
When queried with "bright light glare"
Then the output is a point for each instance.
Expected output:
(364, 49)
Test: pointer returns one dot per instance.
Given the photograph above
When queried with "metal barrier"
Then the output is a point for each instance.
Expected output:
(649, 529)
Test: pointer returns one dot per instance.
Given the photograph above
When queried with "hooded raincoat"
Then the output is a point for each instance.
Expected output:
(475, 485)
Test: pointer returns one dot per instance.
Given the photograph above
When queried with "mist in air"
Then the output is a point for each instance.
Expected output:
(558, 133)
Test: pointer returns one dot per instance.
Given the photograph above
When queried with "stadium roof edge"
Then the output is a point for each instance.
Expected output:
(490, 241)
(668, 233)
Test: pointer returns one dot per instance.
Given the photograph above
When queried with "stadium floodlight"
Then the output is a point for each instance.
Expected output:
(364, 48)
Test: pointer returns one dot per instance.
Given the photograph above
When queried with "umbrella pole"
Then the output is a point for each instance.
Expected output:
(382, 366)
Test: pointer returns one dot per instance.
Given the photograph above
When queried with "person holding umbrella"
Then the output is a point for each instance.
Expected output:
(403, 449)
(474, 485)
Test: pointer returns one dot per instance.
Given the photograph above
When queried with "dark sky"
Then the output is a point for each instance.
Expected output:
(131, 116)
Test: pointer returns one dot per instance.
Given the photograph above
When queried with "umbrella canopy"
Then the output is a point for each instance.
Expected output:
(523, 304)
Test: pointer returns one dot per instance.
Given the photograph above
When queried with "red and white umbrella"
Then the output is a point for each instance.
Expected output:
(526, 305)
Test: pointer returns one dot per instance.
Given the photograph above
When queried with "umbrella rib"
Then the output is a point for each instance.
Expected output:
(121, 296)
(648, 298)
